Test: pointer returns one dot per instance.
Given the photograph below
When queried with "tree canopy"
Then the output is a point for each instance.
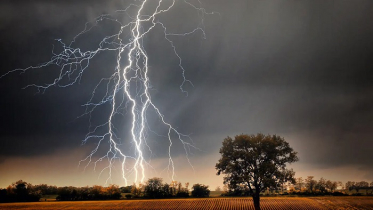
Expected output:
(256, 161)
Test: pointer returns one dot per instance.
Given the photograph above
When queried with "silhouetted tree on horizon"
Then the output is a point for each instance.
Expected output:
(256, 161)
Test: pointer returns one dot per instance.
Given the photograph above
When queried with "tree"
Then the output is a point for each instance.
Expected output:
(182, 192)
(321, 185)
(360, 185)
(331, 185)
(349, 185)
(97, 192)
(137, 191)
(299, 183)
(21, 189)
(256, 161)
(283, 179)
(173, 188)
(167, 191)
(200, 191)
(310, 183)
(113, 192)
(126, 189)
(154, 188)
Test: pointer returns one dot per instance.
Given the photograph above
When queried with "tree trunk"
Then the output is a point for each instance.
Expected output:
(256, 200)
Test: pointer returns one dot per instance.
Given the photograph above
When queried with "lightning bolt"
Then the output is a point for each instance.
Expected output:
(128, 88)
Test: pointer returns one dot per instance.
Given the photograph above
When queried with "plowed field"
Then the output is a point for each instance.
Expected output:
(272, 203)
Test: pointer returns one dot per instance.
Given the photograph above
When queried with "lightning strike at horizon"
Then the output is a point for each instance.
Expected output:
(128, 88)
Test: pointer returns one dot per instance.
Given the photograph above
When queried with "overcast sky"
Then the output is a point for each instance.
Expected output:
(298, 69)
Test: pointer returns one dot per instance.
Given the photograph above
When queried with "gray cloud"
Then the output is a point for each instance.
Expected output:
(300, 69)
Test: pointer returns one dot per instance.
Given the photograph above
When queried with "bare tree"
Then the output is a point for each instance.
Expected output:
(310, 183)
(360, 185)
(321, 185)
(340, 184)
(331, 185)
(349, 185)
(299, 183)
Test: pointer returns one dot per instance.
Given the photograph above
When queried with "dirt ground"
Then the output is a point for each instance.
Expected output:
(270, 203)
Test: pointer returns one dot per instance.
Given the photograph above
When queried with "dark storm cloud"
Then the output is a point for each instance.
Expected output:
(32, 123)
(290, 68)
(295, 68)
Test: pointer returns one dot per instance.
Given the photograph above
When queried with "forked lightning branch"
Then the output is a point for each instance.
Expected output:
(128, 87)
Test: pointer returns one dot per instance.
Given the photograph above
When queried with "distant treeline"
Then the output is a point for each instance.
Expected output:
(307, 187)
(358, 186)
(155, 188)
(96, 192)
(328, 187)
(22, 191)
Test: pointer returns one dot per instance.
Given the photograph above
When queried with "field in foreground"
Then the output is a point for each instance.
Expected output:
(270, 203)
